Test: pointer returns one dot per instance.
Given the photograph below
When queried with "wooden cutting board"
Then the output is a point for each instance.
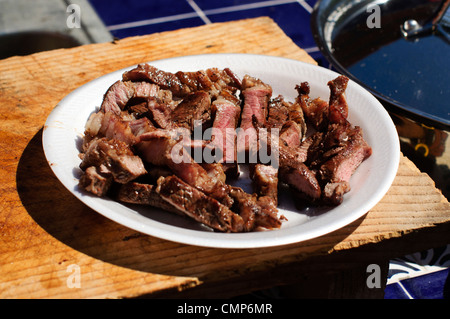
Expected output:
(48, 237)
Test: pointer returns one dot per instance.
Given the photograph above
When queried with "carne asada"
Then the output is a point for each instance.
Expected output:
(142, 145)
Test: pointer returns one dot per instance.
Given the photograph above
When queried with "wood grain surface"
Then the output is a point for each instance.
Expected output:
(45, 230)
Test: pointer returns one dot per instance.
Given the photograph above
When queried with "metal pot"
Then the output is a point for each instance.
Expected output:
(400, 52)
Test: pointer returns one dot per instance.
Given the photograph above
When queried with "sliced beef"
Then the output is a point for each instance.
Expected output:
(338, 108)
(117, 96)
(113, 157)
(212, 80)
(278, 112)
(95, 181)
(198, 205)
(143, 194)
(298, 176)
(256, 96)
(194, 110)
(121, 94)
(315, 111)
(226, 112)
(268, 217)
(333, 193)
(296, 115)
(291, 134)
(109, 125)
(159, 148)
(342, 165)
(141, 126)
(246, 206)
(255, 213)
(265, 180)
(181, 83)
(215, 171)
(149, 73)
(159, 113)
(138, 146)
(335, 155)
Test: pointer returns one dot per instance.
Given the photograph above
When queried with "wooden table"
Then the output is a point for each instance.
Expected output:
(47, 235)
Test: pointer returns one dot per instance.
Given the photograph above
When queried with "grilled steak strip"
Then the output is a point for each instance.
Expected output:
(278, 112)
(333, 193)
(338, 108)
(165, 80)
(123, 94)
(143, 194)
(110, 126)
(117, 96)
(198, 206)
(226, 110)
(114, 157)
(255, 212)
(159, 148)
(315, 111)
(96, 182)
(256, 96)
(265, 180)
(291, 134)
(341, 166)
(298, 176)
(193, 110)
(181, 83)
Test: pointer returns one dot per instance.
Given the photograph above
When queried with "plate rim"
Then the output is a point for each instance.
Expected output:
(215, 239)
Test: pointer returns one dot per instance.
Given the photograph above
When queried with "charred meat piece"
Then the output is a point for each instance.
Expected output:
(268, 217)
(298, 176)
(255, 213)
(324, 145)
(291, 134)
(226, 112)
(288, 118)
(198, 206)
(141, 126)
(159, 113)
(340, 167)
(315, 111)
(278, 112)
(121, 94)
(335, 155)
(215, 171)
(246, 207)
(148, 73)
(143, 194)
(256, 96)
(181, 83)
(296, 115)
(159, 148)
(113, 157)
(117, 96)
(265, 180)
(338, 108)
(193, 110)
(318, 112)
(212, 80)
(109, 125)
(333, 193)
(96, 182)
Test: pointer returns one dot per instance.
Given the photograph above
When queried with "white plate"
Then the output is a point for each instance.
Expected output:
(64, 129)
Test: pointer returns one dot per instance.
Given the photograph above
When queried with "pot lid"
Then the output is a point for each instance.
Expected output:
(398, 50)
